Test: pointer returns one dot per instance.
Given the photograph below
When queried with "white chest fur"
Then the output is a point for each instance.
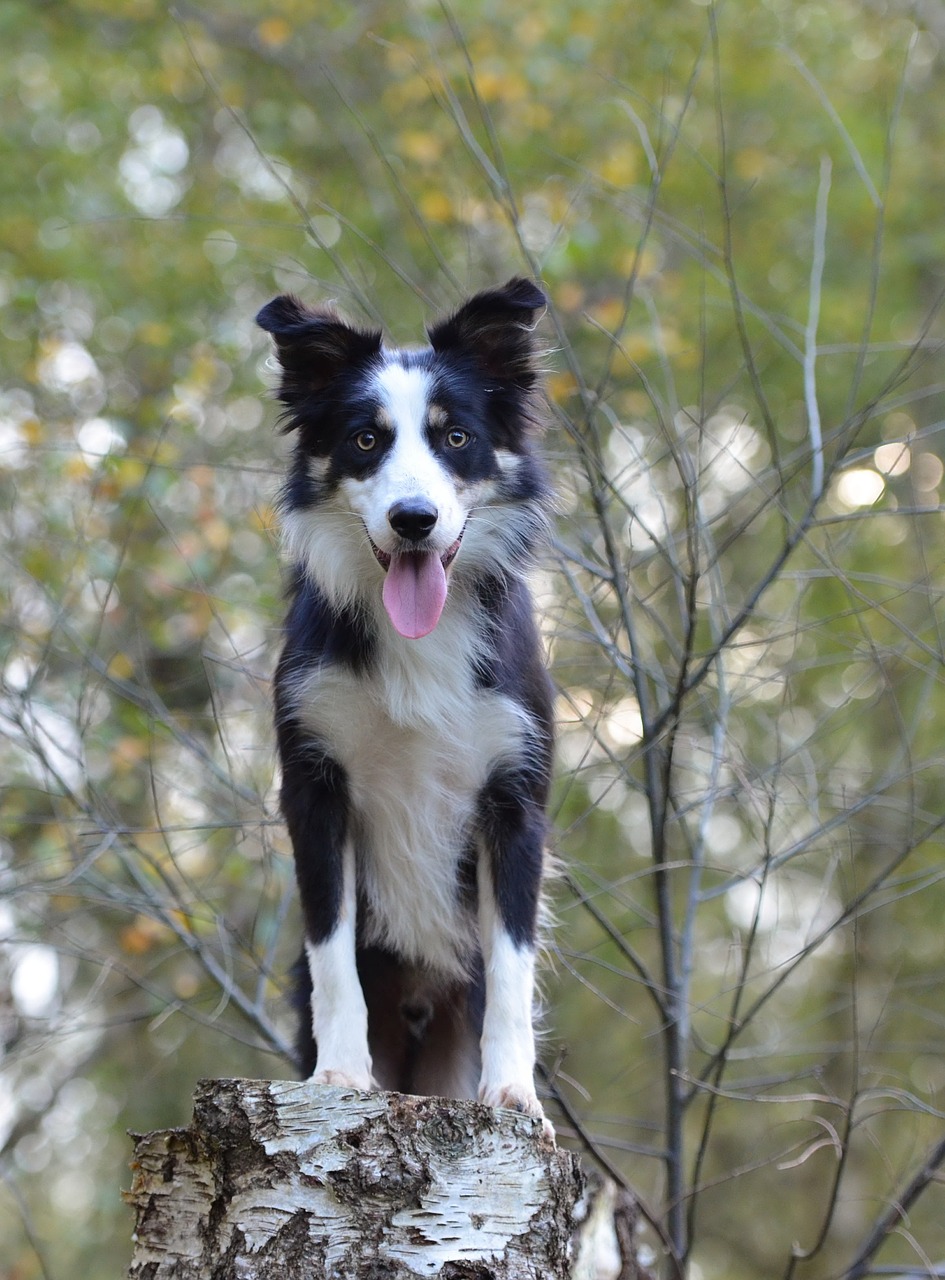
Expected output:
(417, 741)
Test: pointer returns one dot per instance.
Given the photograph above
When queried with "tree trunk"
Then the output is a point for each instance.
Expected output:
(277, 1180)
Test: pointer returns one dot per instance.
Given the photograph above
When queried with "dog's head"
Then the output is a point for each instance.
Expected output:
(413, 454)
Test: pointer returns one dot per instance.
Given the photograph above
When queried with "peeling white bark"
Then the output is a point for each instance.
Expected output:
(305, 1182)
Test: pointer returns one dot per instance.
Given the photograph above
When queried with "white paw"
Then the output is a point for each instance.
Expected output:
(345, 1079)
(521, 1098)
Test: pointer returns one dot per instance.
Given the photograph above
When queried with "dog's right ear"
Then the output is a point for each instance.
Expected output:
(313, 346)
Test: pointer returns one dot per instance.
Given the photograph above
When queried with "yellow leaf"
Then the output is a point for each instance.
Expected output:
(561, 386)
(129, 473)
(186, 985)
(274, 32)
(183, 920)
(420, 146)
(128, 754)
(751, 163)
(636, 346)
(644, 266)
(531, 29)
(405, 93)
(263, 520)
(609, 313)
(165, 454)
(155, 334)
(436, 206)
(494, 86)
(583, 24)
(620, 167)
(141, 935)
(569, 296)
(216, 533)
(534, 115)
(121, 668)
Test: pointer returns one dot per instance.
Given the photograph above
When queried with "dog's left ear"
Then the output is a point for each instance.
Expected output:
(497, 327)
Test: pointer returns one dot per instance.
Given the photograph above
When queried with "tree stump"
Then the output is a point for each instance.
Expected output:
(279, 1180)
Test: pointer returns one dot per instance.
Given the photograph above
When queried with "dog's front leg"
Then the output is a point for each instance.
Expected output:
(339, 1014)
(508, 1040)
(315, 805)
(509, 880)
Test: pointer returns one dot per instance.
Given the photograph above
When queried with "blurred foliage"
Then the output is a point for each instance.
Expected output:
(750, 669)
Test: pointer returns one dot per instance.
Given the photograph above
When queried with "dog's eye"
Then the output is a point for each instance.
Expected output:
(366, 441)
(457, 438)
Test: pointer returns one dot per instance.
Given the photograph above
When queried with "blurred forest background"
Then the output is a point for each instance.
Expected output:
(737, 212)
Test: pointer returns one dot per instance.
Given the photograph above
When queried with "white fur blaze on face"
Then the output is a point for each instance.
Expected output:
(339, 1014)
(410, 471)
(508, 1038)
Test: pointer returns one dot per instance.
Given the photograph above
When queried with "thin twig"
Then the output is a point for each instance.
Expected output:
(810, 337)
(896, 1212)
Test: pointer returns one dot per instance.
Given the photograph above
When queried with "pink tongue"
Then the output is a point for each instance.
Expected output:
(415, 592)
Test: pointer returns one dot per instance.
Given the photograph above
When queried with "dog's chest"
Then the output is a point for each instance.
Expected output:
(417, 743)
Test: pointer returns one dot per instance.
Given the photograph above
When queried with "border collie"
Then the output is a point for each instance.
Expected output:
(413, 709)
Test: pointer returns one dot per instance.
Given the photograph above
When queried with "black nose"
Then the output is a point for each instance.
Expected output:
(412, 519)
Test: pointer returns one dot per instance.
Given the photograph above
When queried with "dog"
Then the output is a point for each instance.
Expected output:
(413, 709)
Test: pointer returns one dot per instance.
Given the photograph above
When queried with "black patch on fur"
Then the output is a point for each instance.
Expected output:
(315, 805)
(301, 998)
(316, 633)
(314, 795)
(513, 664)
(512, 820)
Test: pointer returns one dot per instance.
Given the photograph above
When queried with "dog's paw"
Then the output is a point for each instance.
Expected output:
(344, 1079)
(513, 1097)
(521, 1098)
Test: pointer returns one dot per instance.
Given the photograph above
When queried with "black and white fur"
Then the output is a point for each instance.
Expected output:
(415, 772)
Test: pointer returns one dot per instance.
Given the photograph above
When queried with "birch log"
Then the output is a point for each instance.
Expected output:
(277, 1180)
